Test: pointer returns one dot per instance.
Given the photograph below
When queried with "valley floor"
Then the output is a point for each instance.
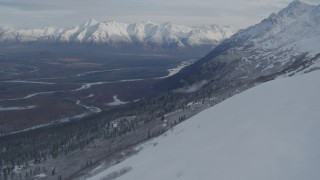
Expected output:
(267, 132)
(38, 91)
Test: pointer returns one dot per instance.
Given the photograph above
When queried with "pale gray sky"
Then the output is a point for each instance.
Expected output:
(40, 13)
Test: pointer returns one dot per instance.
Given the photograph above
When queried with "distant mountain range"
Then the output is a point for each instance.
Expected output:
(116, 34)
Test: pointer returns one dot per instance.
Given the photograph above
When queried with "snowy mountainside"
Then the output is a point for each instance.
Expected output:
(283, 41)
(114, 33)
(292, 32)
(267, 132)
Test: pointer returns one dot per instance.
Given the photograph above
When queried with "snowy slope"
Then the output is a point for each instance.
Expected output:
(116, 34)
(268, 132)
(282, 41)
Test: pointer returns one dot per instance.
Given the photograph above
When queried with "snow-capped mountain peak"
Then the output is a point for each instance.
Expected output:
(296, 15)
(297, 11)
(296, 6)
(284, 41)
(113, 33)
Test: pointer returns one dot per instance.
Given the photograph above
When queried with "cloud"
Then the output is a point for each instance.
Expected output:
(239, 13)
(29, 5)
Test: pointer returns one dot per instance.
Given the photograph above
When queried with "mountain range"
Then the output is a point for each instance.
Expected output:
(116, 34)
(267, 132)
(284, 41)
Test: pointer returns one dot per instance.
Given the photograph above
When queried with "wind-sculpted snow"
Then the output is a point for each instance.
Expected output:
(267, 132)
(145, 34)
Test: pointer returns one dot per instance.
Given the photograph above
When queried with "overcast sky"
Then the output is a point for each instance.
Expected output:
(40, 13)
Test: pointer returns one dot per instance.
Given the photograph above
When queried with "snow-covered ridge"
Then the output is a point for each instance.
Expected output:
(283, 40)
(295, 28)
(117, 34)
(267, 132)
